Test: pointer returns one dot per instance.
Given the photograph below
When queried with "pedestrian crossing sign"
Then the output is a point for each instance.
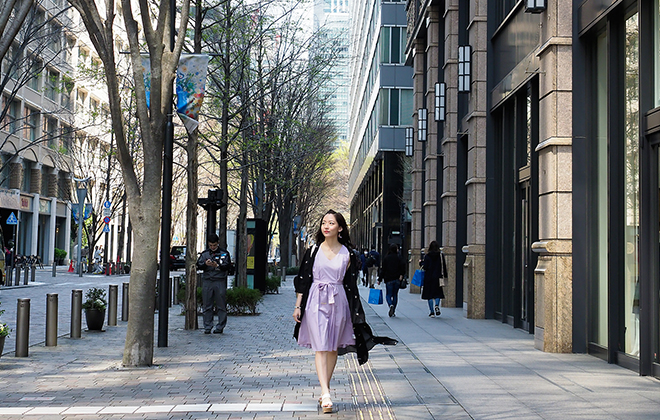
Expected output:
(106, 228)
(12, 220)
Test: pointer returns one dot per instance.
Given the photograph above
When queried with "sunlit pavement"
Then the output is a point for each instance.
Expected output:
(443, 368)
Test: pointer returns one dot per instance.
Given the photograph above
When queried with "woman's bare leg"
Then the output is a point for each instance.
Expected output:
(325, 367)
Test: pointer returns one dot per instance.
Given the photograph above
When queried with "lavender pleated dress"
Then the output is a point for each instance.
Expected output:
(326, 325)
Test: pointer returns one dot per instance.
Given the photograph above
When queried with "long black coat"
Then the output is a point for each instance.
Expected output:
(434, 269)
(364, 338)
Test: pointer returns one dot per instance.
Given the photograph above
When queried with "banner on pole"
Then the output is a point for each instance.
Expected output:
(146, 74)
(190, 85)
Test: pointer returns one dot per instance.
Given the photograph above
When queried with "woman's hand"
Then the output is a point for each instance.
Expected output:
(296, 314)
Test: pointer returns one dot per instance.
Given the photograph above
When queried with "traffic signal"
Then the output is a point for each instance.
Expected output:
(213, 201)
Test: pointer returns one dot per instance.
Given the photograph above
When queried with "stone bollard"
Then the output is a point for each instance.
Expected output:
(112, 305)
(51, 319)
(22, 327)
(124, 302)
(76, 313)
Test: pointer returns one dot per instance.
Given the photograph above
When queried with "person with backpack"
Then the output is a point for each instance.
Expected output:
(392, 272)
(373, 264)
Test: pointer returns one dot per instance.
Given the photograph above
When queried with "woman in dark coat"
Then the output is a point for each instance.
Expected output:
(435, 273)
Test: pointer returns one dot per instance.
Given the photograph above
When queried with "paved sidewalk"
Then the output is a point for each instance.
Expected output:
(444, 368)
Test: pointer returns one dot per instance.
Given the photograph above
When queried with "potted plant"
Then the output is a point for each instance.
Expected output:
(4, 332)
(94, 306)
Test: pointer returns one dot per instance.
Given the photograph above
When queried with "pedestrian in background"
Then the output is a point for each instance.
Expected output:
(392, 272)
(373, 264)
(363, 266)
(216, 264)
(435, 273)
(328, 312)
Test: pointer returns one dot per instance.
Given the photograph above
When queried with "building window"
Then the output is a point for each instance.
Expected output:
(395, 107)
(80, 101)
(67, 90)
(51, 83)
(50, 131)
(31, 124)
(66, 134)
(392, 44)
(10, 123)
(55, 37)
(36, 67)
(440, 101)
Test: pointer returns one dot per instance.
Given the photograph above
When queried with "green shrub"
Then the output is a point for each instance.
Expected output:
(95, 299)
(273, 284)
(243, 301)
(59, 254)
(291, 271)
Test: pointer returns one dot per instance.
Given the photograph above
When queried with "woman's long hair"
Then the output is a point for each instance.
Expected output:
(433, 247)
(344, 237)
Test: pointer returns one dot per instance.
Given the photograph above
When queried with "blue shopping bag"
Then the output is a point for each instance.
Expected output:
(418, 278)
(376, 296)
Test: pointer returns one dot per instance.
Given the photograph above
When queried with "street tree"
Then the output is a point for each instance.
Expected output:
(143, 182)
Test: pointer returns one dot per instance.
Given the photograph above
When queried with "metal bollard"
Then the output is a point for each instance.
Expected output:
(26, 274)
(112, 305)
(51, 319)
(22, 327)
(10, 278)
(124, 302)
(169, 291)
(177, 284)
(76, 313)
(33, 273)
(54, 269)
(17, 280)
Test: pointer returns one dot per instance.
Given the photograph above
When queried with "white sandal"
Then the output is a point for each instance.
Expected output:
(326, 403)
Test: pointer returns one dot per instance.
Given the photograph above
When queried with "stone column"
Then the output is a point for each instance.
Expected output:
(53, 184)
(449, 149)
(553, 273)
(35, 178)
(474, 268)
(16, 173)
(52, 225)
(418, 162)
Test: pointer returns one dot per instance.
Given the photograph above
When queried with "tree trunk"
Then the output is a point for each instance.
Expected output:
(138, 350)
(191, 234)
(241, 231)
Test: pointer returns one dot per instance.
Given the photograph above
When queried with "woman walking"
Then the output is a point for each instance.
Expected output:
(392, 271)
(328, 311)
(435, 273)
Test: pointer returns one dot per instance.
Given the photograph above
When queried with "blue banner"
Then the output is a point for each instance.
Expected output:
(190, 85)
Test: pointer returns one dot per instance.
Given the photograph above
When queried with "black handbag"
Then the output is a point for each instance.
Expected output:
(403, 284)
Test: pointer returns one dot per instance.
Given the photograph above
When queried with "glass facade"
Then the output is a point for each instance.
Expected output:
(631, 177)
(598, 288)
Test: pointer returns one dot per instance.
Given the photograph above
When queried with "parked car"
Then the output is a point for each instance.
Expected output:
(178, 257)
